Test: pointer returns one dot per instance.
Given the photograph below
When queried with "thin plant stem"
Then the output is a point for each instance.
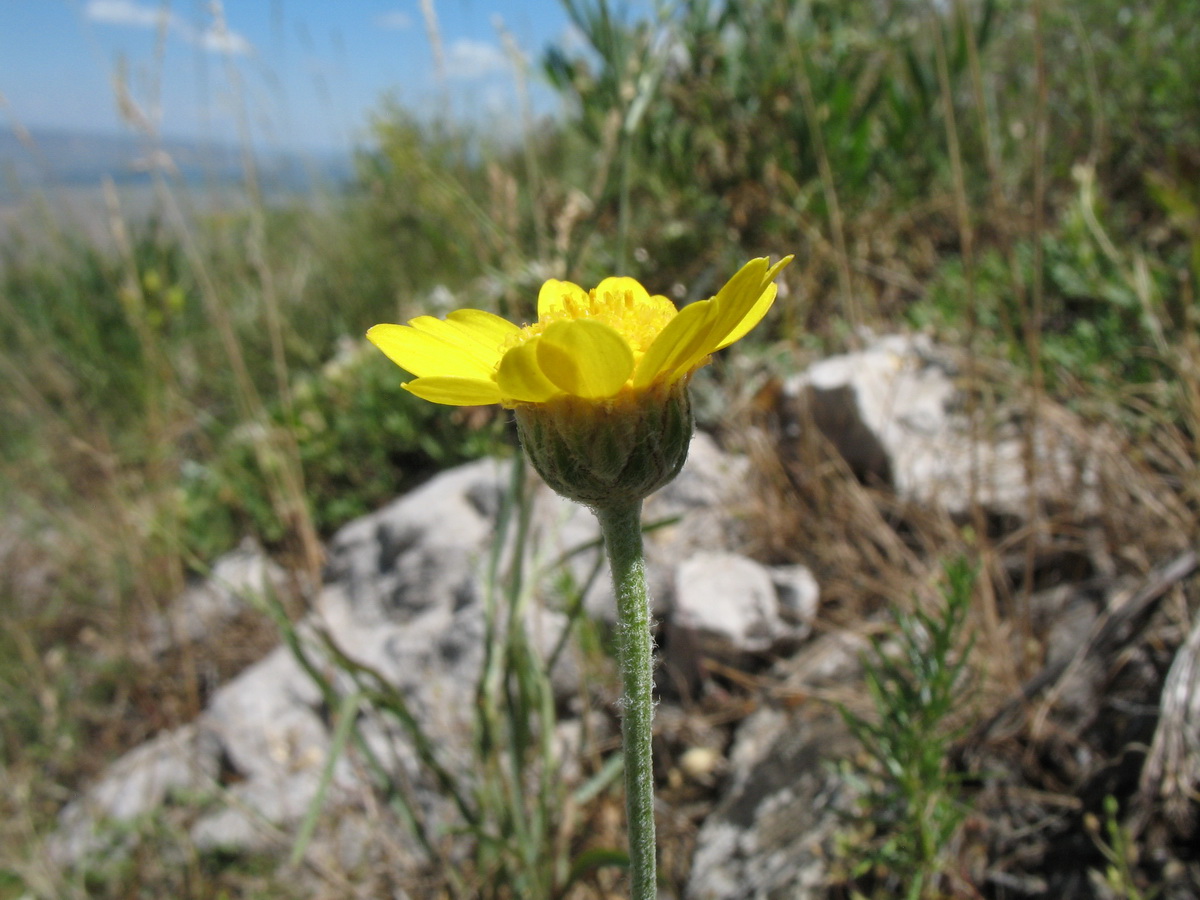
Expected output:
(622, 528)
(1035, 318)
(837, 225)
(623, 202)
(529, 129)
(966, 233)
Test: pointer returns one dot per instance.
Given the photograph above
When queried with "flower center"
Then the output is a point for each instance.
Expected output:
(638, 321)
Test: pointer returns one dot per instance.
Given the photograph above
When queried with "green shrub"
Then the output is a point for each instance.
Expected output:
(911, 803)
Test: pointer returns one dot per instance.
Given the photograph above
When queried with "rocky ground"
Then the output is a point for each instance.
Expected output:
(779, 552)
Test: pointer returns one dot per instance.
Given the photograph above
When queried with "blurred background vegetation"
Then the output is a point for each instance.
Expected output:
(1016, 177)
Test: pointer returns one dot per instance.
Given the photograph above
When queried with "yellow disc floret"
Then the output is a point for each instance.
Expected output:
(620, 303)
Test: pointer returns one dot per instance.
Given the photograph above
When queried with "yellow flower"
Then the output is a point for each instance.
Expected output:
(616, 341)
(599, 383)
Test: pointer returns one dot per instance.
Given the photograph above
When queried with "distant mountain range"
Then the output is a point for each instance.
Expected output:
(46, 159)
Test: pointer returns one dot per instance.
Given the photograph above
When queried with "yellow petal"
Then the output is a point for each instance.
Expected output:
(477, 336)
(779, 267)
(679, 346)
(585, 358)
(746, 299)
(520, 377)
(554, 295)
(737, 297)
(616, 284)
(425, 354)
(752, 317)
(484, 326)
(455, 391)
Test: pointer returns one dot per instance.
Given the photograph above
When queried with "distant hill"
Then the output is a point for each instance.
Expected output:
(65, 159)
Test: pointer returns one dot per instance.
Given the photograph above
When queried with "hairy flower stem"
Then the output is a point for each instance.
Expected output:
(621, 525)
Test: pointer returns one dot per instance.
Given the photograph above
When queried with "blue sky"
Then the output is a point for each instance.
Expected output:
(299, 73)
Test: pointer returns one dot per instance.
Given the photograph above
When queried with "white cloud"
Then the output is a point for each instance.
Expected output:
(467, 59)
(222, 40)
(395, 20)
(216, 38)
(126, 12)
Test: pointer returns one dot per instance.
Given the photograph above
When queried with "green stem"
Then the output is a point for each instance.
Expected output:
(621, 525)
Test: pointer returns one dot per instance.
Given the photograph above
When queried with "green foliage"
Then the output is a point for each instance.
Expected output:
(361, 439)
(12, 885)
(1120, 852)
(118, 362)
(709, 124)
(709, 108)
(1179, 199)
(1124, 86)
(911, 805)
(152, 856)
(1101, 324)
(429, 209)
(75, 329)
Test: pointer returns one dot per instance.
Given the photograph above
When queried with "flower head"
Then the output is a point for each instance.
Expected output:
(615, 340)
(599, 382)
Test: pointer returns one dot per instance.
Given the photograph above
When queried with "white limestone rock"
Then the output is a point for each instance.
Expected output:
(773, 832)
(735, 603)
(185, 761)
(896, 412)
(406, 594)
(238, 582)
